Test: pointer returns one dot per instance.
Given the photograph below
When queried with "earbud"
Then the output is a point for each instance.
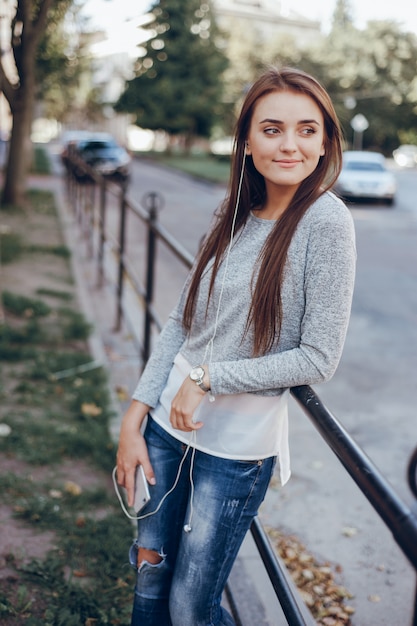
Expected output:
(187, 528)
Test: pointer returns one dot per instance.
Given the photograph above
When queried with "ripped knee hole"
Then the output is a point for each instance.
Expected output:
(151, 556)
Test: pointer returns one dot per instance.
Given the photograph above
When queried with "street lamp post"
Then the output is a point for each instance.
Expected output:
(359, 124)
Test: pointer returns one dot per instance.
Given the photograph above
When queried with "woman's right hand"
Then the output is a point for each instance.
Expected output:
(132, 450)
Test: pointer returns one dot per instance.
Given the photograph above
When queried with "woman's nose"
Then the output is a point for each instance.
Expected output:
(288, 143)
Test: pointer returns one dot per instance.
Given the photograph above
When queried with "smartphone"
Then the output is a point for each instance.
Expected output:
(142, 495)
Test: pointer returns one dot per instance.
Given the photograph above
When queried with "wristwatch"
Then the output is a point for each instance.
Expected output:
(197, 375)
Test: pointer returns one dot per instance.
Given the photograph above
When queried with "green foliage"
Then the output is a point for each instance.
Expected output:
(10, 247)
(54, 293)
(208, 167)
(42, 201)
(61, 59)
(21, 605)
(41, 163)
(83, 576)
(60, 250)
(374, 69)
(75, 326)
(55, 410)
(29, 333)
(342, 16)
(178, 83)
(24, 306)
(84, 549)
(64, 325)
(13, 348)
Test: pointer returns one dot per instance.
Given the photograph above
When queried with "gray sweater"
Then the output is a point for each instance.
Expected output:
(316, 301)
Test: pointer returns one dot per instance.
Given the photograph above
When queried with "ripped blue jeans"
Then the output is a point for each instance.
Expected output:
(185, 588)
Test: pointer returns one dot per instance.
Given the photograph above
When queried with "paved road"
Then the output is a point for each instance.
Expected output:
(372, 393)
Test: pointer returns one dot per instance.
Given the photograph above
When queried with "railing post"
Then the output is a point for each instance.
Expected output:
(412, 473)
(102, 233)
(89, 224)
(121, 264)
(397, 516)
(152, 201)
(412, 482)
(279, 582)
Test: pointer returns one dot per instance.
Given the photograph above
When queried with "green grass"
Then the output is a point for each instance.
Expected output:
(55, 293)
(55, 411)
(23, 306)
(10, 247)
(58, 250)
(42, 201)
(41, 163)
(205, 166)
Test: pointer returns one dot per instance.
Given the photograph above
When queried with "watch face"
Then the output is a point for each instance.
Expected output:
(197, 374)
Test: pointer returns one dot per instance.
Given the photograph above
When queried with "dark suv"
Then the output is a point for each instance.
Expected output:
(105, 155)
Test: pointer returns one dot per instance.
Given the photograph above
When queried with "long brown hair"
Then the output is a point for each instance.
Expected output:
(266, 309)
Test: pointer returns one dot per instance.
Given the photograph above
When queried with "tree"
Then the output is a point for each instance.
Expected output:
(62, 59)
(370, 71)
(373, 71)
(28, 26)
(178, 82)
(342, 17)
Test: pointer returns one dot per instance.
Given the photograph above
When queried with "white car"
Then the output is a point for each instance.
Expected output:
(365, 176)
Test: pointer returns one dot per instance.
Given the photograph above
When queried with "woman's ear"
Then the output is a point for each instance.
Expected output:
(247, 148)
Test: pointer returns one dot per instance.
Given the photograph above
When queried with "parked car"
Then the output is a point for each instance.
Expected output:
(365, 175)
(69, 141)
(405, 155)
(102, 152)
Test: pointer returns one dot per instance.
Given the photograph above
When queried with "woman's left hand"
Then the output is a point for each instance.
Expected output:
(184, 404)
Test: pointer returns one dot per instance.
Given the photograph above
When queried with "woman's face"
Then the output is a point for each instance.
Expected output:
(286, 138)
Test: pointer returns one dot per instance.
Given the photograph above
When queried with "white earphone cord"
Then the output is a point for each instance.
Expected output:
(209, 346)
(209, 349)
(138, 517)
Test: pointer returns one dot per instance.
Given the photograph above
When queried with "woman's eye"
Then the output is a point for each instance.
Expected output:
(308, 131)
(271, 131)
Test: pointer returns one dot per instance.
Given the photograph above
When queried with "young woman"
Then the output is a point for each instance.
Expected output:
(266, 307)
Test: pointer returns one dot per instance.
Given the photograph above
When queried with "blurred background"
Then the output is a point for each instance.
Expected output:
(169, 76)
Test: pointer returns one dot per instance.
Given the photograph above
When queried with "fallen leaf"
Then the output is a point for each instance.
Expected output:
(72, 488)
(90, 409)
(308, 574)
(122, 393)
(316, 583)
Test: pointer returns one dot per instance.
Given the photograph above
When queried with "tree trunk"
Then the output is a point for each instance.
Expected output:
(28, 26)
(19, 153)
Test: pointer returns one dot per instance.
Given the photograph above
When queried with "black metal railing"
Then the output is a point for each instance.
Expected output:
(394, 513)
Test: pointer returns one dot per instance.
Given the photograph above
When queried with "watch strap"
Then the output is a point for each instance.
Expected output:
(197, 376)
(203, 386)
